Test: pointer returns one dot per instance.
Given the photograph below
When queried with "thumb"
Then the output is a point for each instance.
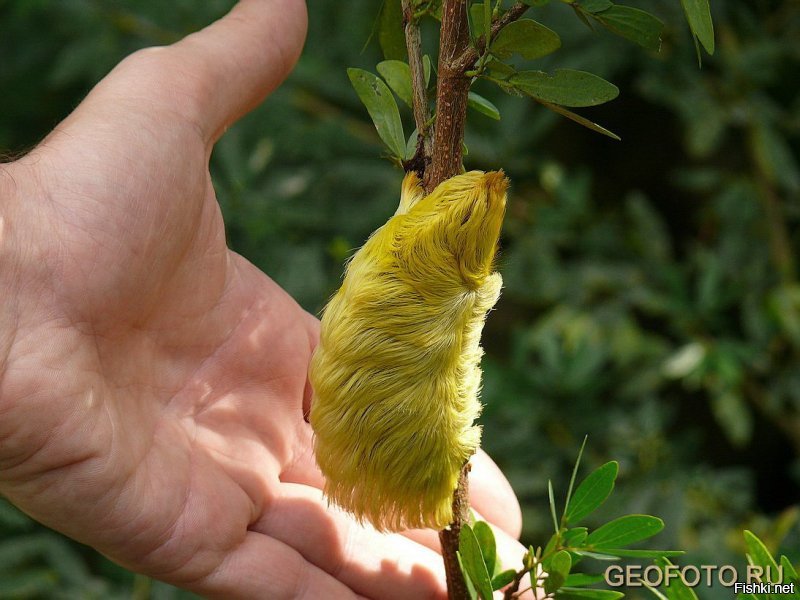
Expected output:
(241, 58)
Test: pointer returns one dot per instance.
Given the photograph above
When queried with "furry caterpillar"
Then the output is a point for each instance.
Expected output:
(397, 370)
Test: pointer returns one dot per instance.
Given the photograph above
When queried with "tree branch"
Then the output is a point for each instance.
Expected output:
(456, 586)
(452, 87)
(422, 111)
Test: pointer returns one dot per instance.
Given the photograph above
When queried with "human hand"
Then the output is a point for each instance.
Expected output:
(152, 382)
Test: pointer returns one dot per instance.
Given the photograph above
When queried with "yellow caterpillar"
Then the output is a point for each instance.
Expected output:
(397, 370)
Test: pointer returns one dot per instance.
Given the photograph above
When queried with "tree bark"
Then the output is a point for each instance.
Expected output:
(456, 586)
(452, 88)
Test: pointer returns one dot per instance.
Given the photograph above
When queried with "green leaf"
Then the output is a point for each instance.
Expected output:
(759, 555)
(592, 492)
(580, 120)
(391, 36)
(398, 75)
(557, 572)
(582, 579)
(473, 595)
(775, 157)
(575, 472)
(576, 593)
(476, 16)
(628, 553)
(698, 14)
(657, 593)
(552, 499)
(634, 24)
(624, 531)
(575, 537)
(382, 108)
(789, 572)
(734, 416)
(499, 69)
(565, 87)
(11, 518)
(595, 6)
(503, 578)
(595, 555)
(527, 38)
(536, 3)
(30, 583)
(426, 70)
(474, 563)
(485, 536)
(550, 547)
(411, 144)
(675, 588)
(483, 106)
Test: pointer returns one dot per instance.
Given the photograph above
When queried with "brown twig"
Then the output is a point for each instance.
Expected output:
(452, 87)
(513, 588)
(419, 95)
(440, 157)
(456, 57)
(456, 586)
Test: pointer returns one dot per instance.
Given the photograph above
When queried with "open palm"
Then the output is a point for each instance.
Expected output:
(152, 382)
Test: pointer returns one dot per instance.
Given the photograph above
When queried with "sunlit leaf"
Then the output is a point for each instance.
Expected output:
(557, 572)
(471, 592)
(570, 593)
(485, 536)
(473, 562)
(503, 578)
(675, 588)
(575, 537)
(624, 531)
(628, 553)
(582, 579)
(592, 492)
(595, 555)
(760, 556)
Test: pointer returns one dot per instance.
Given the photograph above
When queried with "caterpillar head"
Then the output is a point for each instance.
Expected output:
(458, 224)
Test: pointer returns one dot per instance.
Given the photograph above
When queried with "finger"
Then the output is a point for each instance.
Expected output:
(266, 568)
(490, 494)
(373, 564)
(241, 58)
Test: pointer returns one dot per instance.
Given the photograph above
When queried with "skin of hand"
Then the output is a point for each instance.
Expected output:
(152, 382)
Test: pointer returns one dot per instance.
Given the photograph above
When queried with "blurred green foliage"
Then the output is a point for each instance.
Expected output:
(651, 286)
